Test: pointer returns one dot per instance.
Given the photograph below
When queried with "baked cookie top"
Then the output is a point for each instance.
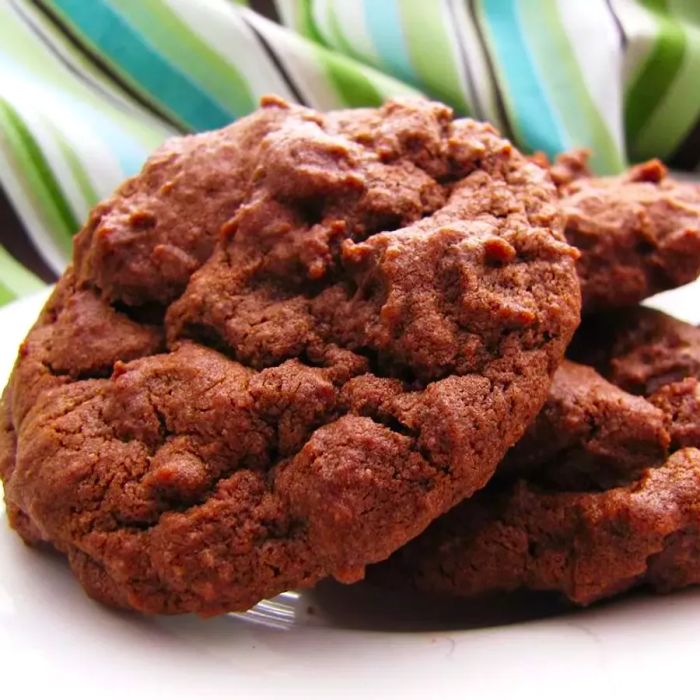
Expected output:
(283, 350)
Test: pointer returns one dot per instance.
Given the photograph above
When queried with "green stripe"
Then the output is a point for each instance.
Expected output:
(429, 49)
(42, 186)
(349, 80)
(6, 295)
(686, 10)
(183, 48)
(354, 83)
(678, 112)
(15, 279)
(347, 77)
(306, 26)
(656, 74)
(566, 86)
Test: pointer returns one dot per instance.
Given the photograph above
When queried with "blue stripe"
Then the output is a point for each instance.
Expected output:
(130, 51)
(130, 154)
(384, 24)
(530, 111)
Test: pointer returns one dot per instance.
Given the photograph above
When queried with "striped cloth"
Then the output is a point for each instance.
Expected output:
(89, 87)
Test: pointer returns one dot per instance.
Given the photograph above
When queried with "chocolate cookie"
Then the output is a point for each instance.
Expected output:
(638, 233)
(266, 371)
(529, 533)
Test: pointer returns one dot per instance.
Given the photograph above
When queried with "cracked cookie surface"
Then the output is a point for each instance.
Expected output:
(609, 501)
(283, 350)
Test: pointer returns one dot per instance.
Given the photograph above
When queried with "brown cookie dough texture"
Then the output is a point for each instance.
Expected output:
(546, 525)
(589, 434)
(566, 167)
(638, 233)
(283, 350)
(639, 350)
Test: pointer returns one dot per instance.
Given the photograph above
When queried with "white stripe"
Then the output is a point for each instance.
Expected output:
(41, 237)
(220, 26)
(33, 109)
(485, 90)
(450, 32)
(97, 159)
(300, 60)
(352, 19)
(594, 39)
(640, 29)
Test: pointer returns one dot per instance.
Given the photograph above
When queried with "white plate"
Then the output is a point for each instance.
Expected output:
(338, 641)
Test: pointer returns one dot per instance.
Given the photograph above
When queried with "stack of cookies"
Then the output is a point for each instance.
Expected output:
(309, 343)
(602, 493)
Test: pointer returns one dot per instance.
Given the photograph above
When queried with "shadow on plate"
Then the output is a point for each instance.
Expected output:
(365, 607)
